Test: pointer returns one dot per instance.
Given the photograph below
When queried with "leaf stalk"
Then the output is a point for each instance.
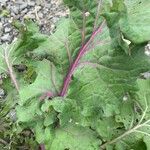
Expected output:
(82, 51)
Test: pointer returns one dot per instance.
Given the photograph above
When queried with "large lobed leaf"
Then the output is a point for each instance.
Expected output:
(132, 17)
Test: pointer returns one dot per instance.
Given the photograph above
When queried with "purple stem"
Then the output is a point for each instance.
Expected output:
(42, 147)
(76, 62)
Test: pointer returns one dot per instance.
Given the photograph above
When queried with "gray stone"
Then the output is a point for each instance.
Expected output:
(1, 25)
(7, 29)
(2, 93)
(15, 10)
(20, 2)
(38, 8)
(146, 75)
(23, 6)
(3, 2)
(40, 15)
(12, 115)
(48, 6)
(24, 11)
(31, 3)
(6, 24)
(6, 38)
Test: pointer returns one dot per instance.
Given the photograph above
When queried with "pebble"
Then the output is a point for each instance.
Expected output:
(146, 75)
(1, 25)
(31, 3)
(15, 10)
(7, 29)
(23, 6)
(12, 115)
(40, 15)
(6, 38)
(2, 93)
(38, 8)
(24, 11)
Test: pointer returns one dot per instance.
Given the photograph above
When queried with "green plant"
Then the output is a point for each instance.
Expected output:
(81, 87)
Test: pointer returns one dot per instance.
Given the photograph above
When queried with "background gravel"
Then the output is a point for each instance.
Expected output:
(45, 12)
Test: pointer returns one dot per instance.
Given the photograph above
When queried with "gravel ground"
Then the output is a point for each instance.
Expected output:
(45, 12)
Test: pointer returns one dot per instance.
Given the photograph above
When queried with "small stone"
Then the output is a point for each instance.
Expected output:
(45, 11)
(7, 29)
(55, 19)
(48, 6)
(31, 3)
(146, 75)
(5, 24)
(24, 11)
(3, 2)
(12, 115)
(2, 93)
(1, 80)
(1, 25)
(6, 38)
(38, 8)
(15, 10)
(23, 6)
(125, 98)
(40, 15)
(18, 2)
(147, 49)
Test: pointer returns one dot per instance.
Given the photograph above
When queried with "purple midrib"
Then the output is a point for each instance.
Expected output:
(76, 61)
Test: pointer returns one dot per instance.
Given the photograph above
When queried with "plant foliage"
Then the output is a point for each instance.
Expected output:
(81, 87)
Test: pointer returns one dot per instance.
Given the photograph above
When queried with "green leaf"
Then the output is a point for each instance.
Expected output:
(57, 46)
(8, 103)
(126, 115)
(107, 128)
(136, 28)
(43, 135)
(113, 18)
(144, 94)
(67, 109)
(6, 57)
(75, 138)
(30, 38)
(133, 137)
(147, 142)
(28, 112)
(84, 15)
(103, 85)
(48, 80)
(134, 19)
(84, 19)
(50, 118)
